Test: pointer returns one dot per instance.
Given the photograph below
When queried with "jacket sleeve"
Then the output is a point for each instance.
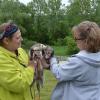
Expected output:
(70, 70)
(14, 77)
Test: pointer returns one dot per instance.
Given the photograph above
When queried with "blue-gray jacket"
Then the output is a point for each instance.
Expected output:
(79, 77)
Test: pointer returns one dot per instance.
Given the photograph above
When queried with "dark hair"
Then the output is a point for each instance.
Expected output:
(90, 32)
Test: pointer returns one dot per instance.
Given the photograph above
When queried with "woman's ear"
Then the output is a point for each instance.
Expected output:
(5, 40)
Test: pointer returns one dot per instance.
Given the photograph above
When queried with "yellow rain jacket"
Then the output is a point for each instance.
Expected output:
(15, 75)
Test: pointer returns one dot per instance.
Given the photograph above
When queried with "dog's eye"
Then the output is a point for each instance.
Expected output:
(37, 50)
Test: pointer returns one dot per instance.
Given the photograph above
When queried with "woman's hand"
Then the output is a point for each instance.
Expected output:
(32, 63)
(44, 63)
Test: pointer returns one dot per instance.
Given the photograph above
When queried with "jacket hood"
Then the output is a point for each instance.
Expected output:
(92, 59)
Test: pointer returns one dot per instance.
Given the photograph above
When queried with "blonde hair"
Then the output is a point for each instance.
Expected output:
(90, 32)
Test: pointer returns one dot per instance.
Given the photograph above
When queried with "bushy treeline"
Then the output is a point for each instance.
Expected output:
(49, 21)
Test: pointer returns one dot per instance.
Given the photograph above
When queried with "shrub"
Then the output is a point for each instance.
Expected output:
(71, 46)
(26, 44)
(60, 42)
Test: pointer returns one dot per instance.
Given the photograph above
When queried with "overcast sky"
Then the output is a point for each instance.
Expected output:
(26, 1)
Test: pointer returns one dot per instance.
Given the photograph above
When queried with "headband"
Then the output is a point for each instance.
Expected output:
(9, 30)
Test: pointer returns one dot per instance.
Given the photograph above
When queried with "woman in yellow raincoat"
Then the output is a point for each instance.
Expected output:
(16, 71)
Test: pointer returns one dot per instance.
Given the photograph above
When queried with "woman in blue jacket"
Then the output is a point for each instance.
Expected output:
(79, 76)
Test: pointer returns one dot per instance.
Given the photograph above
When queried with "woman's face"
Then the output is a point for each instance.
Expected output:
(79, 41)
(15, 42)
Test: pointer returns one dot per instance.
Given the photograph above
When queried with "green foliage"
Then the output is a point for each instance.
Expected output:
(71, 46)
(60, 50)
(69, 49)
(59, 42)
(26, 44)
(48, 21)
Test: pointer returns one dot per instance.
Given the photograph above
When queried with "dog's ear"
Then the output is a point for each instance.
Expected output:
(49, 48)
(43, 52)
(31, 54)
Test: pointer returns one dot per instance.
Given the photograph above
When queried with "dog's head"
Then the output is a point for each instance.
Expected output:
(37, 50)
(40, 50)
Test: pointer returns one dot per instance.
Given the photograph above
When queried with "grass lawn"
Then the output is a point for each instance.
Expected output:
(49, 83)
